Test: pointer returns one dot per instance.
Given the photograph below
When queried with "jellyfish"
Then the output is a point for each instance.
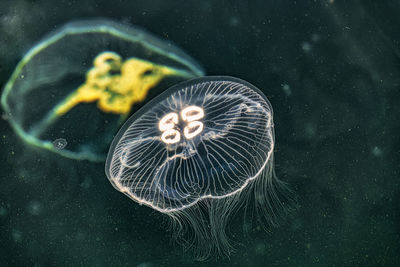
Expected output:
(84, 80)
(198, 152)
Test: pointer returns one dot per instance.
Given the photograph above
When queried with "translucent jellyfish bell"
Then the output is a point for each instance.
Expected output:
(196, 153)
(82, 81)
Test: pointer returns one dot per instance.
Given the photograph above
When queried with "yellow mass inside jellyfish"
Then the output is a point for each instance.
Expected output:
(116, 85)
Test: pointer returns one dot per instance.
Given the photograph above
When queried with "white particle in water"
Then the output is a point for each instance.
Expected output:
(60, 143)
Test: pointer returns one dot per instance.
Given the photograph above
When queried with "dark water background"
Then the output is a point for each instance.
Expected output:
(331, 70)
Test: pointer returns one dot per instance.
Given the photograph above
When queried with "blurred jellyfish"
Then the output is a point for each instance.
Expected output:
(84, 80)
(197, 153)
